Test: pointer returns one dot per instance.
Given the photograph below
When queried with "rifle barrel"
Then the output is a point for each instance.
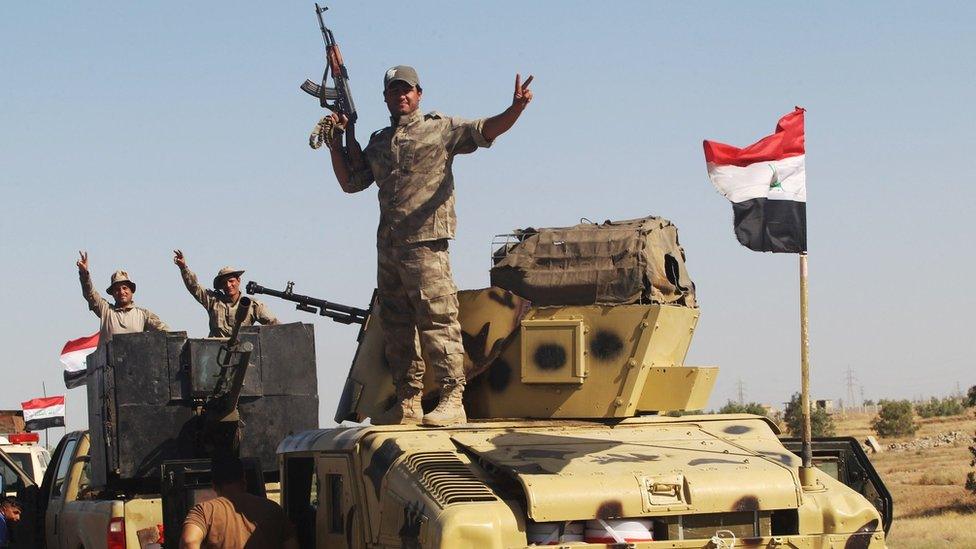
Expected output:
(338, 312)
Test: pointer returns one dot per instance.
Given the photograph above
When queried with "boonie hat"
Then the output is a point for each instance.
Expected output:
(224, 273)
(401, 72)
(118, 277)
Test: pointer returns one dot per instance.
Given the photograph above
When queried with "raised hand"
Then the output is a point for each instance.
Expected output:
(179, 258)
(523, 95)
(83, 262)
(329, 131)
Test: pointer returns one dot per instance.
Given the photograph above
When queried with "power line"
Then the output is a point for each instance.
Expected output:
(851, 382)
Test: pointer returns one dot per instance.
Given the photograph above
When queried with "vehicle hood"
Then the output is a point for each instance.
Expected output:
(573, 473)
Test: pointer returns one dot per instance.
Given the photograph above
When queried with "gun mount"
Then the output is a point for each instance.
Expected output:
(155, 397)
(339, 313)
(222, 429)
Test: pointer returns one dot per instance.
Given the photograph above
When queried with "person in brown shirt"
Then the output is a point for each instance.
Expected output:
(410, 161)
(123, 317)
(236, 519)
(221, 302)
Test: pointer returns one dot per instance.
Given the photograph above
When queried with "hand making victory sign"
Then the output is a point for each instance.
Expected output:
(501, 123)
(82, 263)
(523, 95)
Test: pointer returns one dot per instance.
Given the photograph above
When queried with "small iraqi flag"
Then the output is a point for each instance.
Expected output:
(767, 185)
(43, 413)
(73, 356)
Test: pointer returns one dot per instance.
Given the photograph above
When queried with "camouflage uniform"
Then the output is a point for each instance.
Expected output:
(410, 161)
(222, 312)
(118, 320)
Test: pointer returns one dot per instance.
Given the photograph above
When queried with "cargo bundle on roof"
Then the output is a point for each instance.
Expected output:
(611, 263)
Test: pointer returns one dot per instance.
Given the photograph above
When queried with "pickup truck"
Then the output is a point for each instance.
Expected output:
(64, 512)
(160, 406)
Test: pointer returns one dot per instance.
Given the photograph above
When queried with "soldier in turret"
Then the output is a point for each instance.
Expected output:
(221, 302)
(123, 317)
(410, 161)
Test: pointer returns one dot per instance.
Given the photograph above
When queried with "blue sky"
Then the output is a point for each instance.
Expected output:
(131, 129)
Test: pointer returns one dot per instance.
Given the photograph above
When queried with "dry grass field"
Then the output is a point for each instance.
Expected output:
(932, 506)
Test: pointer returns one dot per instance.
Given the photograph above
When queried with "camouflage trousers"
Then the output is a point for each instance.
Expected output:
(419, 312)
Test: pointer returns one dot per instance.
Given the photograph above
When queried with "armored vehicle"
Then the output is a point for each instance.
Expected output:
(161, 406)
(574, 358)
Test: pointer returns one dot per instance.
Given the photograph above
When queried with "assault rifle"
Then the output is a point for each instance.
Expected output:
(339, 313)
(340, 95)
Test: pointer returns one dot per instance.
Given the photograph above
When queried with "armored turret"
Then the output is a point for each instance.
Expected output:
(589, 321)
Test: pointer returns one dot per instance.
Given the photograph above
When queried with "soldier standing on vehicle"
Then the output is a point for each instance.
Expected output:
(410, 161)
(221, 302)
(123, 317)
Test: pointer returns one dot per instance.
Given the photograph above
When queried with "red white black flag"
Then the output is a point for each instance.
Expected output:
(767, 185)
(73, 356)
(42, 413)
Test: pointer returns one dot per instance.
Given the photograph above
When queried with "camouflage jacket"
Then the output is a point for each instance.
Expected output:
(118, 320)
(410, 161)
(221, 310)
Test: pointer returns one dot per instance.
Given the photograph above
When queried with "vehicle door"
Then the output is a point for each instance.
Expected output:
(339, 521)
(78, 479)
(24, 534)
(318, 497)
(56, 486)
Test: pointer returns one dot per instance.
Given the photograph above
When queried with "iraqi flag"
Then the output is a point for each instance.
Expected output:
(767, 185)
(73, 357)
(43, 413)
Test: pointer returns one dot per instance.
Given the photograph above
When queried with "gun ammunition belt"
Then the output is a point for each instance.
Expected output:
(325, 132)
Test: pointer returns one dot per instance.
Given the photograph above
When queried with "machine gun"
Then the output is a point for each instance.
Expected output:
(340, 95)
(222, 421)
(339, 313)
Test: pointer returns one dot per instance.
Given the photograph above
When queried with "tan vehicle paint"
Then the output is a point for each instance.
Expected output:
(587, 440)
(77, 517)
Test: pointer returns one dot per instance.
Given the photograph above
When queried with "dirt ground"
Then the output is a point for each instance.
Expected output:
(932, 506)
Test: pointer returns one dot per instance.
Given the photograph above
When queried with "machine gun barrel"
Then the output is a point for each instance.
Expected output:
(339, 313)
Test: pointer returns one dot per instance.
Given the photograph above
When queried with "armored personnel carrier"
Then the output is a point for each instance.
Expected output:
(574, 358)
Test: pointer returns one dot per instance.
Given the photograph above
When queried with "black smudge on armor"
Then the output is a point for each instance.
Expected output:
(380, 462)
(606, 345)
(499, 376)
(610, 509)
(549, 357)
(746, 503)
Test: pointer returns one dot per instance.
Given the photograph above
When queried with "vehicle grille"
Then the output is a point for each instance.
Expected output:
(448, 479)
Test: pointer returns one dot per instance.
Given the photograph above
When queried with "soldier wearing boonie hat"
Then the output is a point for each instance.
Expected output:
(221, 302)
(123, 317)
(410, 162)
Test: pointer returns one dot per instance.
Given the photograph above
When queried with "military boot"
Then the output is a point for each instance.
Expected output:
(405, 411)
(450, 410)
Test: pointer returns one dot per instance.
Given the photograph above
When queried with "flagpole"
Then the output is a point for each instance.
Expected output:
(806, 471)
(44, 390)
